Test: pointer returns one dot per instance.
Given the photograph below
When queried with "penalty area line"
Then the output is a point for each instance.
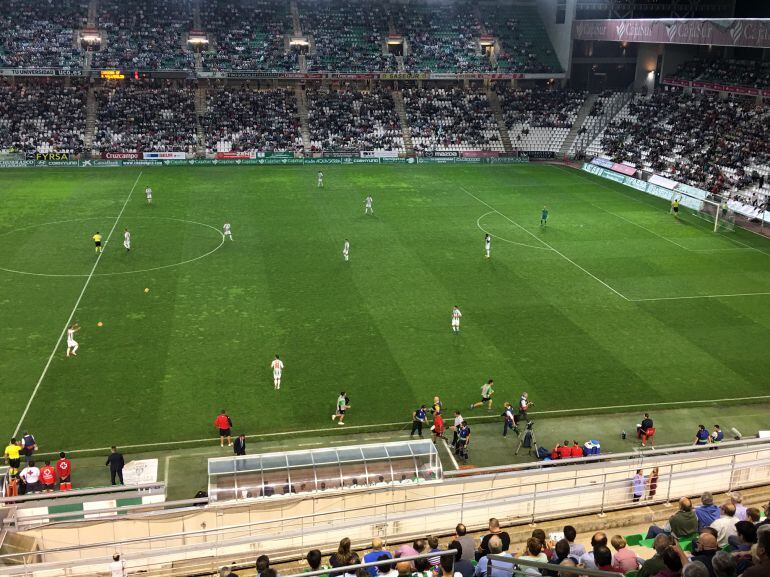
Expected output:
(402, 423)
(74, 310)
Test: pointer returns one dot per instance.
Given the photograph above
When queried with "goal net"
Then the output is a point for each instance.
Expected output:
(718, 215)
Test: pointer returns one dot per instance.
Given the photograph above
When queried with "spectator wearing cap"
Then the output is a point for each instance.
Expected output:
(707, 513)
(725, 524)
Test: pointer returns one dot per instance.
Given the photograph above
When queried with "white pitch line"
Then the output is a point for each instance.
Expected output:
(451, 456)
(402, 423)
(701, 297)
(482, 229)
(569, 260)
(74, 310)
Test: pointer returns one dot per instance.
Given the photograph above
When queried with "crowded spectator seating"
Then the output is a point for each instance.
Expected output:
(146, 116)
(348, 35)
(242, 120)
(729, 72)
(42, 117)
(451, 119)
(144, 34)
(525, 43)
(442, 40)
(41, 34)
(539, 120)
(350, 120)
(602, 111)
(714, 144)
(247, 35)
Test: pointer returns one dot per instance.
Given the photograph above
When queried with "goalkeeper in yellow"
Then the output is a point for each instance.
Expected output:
(98, 242)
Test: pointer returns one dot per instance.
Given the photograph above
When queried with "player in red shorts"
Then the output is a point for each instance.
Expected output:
(47, 477)
(64, 471)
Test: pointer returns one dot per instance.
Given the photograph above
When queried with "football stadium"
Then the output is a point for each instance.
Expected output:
(397, 288)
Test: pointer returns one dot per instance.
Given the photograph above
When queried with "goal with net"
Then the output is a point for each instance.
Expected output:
(718, 215)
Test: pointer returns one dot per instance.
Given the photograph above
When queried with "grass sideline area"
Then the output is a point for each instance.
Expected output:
(613, 304)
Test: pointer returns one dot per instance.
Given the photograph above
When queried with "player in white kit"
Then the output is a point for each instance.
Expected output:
(346, 250)
(226, 231)
(277, 366)
(487, 244)
(368, 205)
(148, 194)
(72, 344)
(127, 240)
(320, 179)
(456, 316)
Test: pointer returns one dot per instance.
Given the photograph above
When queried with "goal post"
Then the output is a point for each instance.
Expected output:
(718, 215)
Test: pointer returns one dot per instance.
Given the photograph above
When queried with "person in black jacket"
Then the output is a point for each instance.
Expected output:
(115, 462)
(239, 446)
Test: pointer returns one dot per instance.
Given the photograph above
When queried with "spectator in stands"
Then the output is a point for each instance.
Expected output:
(262, 565)
(433, 545)
(725, 524)
(696, 569)
(745, 536)
(314, 559)
(762, 568)
(539, 534)
(533, 551)
(387, 570)
(376, 554)
(117, 567)
(269, 573)
(342, 557)
(494, 531)
(672, 562)
(495, 547)
(561, 551)
(463, 565)
(576, 550)
(603, 560)
(723, 564)
(422, 568)
(681, 524)
(766, 509)
(654, 564)
(740, 511)
(707, 547)
(625, 558)
(468, 543)
(752, 514)
(447, 567)
(568, 562)
(599, 539)
(637, 484)
(404, 568)
(707, 513)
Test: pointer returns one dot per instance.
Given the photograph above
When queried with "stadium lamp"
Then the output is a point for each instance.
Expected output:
(298, 42)
(91, 38)
(197, 40)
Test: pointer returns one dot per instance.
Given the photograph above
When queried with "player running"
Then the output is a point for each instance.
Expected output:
(368, 205)
(487, 390)
(277, 366)
(343, 404)
(72, 344)
(320, 179)
(487, 244)
(226, 231)
(346, 250)
(544, 216)
(456, 316)
(127, 240)
(148, 194)
(98, 242)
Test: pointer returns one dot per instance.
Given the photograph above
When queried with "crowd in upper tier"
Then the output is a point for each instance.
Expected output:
(750, 73)
(264, 35)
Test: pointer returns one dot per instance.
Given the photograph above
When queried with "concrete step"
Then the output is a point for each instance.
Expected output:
(494, 104)
(200, 110)
(301, 97)
(578, 124)
(406, 131)
(91, 110)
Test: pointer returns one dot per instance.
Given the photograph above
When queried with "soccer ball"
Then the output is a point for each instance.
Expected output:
(146, 290)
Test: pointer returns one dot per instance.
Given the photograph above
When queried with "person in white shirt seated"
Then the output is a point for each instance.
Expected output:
(725, 525)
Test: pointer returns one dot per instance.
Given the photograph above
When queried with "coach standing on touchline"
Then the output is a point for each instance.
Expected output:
(115, 462)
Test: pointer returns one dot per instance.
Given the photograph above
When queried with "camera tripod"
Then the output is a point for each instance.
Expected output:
(528, 430)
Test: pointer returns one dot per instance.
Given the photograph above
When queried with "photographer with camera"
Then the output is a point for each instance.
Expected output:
(524, 406)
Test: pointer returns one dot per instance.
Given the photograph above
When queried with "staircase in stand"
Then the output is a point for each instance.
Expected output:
(296, 27)
(303, 122)
(494, 104)
(200, 111)
(88, 137)
(582, 114)
(406, 131)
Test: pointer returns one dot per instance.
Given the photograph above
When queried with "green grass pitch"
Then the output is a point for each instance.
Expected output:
(594, 310)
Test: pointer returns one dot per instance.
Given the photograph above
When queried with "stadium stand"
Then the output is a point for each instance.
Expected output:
(728, 72)
(715, 144)
(42, 117)
(41, 34)
(144, 34)
(241, 119)
(525, 43)
(348, 36)
(539, 120)
(247, 35)
(443, 40)
(146, 116)
(350, 120)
